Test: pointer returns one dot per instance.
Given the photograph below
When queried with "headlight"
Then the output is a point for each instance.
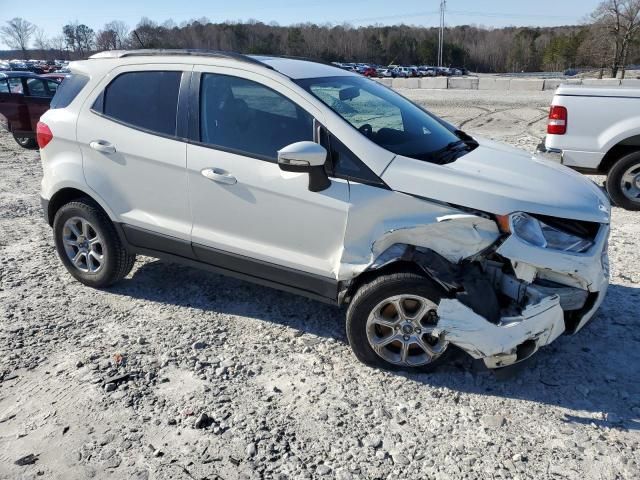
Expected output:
(539, 234)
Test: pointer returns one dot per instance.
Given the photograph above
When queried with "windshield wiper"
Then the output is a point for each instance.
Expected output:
(466, 138)
(451, 149)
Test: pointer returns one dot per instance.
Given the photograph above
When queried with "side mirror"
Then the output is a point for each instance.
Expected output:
(306, 157)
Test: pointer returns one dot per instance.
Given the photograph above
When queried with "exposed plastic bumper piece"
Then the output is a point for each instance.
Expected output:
(511, 340)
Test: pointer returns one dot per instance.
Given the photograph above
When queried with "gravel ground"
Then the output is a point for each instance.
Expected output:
(176, 373)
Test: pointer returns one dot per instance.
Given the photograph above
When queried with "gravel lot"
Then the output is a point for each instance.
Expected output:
(177, 373)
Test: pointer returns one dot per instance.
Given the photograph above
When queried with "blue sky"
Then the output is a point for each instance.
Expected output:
(51, 15)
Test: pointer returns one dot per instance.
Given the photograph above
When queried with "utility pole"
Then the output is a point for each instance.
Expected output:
(443, 6)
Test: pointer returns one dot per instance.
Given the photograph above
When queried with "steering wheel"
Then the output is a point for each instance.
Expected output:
(366, 129)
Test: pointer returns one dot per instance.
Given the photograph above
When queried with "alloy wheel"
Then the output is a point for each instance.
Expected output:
(630, 183)
(400, 330)
(83, 245)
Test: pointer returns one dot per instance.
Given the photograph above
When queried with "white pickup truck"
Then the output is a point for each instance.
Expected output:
(596, 130)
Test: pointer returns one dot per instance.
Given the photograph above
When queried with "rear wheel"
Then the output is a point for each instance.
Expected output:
(391, 323)
(89, 246)
(623, 182)
(26, 142)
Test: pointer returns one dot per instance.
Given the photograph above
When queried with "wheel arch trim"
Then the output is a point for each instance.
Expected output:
(67, 192)
(619, 150)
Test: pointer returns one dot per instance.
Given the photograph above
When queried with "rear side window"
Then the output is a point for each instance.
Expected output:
(38, 88)
(15, 85)
(68, 90)
(4, 86)
(147, 100)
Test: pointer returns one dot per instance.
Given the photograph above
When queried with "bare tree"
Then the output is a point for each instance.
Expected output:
(120, 31)
(593, 51)
(16, 34)
(58, 44)
(621, 18)
(40, 41)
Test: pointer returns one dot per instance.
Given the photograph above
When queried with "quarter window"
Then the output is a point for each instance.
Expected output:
(147, 100)
(68, 90)
(245, 116)
(53, 87)
(4, 86)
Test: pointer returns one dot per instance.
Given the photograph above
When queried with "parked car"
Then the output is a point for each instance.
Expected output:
(596, 130)
(18, 66)
(402, 72)
(24, 97)
(426, 71)
(414, 72)
(370, 72)
(384, 72)
(317, 181)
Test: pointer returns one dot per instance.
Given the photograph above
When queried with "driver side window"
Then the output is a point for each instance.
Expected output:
(248, 117)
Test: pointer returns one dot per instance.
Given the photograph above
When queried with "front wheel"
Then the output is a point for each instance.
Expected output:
(391, 323)
(26, 142)
(623, 182)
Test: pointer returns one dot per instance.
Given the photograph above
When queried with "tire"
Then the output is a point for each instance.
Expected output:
(623, 192)
(369, 298)
(26, 142)
(102, 259)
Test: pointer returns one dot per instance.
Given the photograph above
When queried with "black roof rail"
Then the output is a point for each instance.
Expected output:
(196, 52)
(293, 57)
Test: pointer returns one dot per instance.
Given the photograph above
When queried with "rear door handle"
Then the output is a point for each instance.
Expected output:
(103, 146)
(219, 175)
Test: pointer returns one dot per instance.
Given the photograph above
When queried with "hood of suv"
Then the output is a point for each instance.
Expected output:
(500, 179)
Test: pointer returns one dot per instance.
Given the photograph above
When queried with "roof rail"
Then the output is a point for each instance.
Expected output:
(179, 51)
(293, 57)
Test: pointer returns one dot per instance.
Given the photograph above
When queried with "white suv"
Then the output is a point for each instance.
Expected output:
(314, 180)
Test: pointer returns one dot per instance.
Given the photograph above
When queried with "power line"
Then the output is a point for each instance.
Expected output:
(459, 13)
(389, 17)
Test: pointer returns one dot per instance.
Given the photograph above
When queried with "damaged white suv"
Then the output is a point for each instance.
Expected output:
(315, 180)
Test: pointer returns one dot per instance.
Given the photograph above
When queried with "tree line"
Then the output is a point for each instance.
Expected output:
(609, 42)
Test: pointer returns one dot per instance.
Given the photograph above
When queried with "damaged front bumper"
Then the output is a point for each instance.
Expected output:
(550, 293)
(513, 339)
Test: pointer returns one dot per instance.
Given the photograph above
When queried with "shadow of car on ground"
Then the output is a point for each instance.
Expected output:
(596, 371)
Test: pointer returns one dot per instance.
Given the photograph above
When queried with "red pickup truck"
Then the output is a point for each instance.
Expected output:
(24, 97)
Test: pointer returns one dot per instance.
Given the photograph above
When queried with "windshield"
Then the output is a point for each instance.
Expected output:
(386, 118)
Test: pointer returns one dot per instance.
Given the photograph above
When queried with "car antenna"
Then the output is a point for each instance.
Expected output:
(138, 38)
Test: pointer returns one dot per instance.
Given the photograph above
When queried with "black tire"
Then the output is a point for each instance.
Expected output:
(26, 142)
(614, 181)
(117, 261)
(368, 297)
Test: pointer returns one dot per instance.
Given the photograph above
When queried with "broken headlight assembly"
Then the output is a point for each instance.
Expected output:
(539, 234)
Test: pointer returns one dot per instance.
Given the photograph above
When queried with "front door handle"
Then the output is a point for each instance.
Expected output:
(219, 175)
(103, 146)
